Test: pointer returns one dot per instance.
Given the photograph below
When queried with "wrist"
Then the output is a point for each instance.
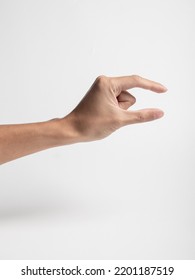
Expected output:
(66, 130)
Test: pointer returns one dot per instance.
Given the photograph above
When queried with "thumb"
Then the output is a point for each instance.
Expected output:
(143, 115)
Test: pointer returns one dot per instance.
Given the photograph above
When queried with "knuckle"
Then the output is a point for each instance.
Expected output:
(101, 80)
(140, 117)
(136, 78)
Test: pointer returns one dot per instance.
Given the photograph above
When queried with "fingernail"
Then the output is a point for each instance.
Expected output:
(159, 114)
(165, 88)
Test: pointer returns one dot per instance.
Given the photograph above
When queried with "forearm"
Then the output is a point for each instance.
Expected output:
(19, 140)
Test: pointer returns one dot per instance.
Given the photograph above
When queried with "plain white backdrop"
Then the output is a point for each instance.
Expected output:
(130, 196)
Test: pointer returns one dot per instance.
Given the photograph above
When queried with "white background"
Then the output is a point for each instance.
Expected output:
(130, 196)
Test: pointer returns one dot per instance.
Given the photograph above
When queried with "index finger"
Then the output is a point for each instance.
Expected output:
(128, 82)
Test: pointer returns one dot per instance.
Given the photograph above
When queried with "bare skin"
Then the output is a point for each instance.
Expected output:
(102, 111)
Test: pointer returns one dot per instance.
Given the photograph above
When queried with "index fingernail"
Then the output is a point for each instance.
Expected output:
(165, 88)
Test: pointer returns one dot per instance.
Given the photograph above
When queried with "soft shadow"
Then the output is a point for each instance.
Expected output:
(27, 211)
(35, 207)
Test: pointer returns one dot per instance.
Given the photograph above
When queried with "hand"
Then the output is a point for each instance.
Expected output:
(104, 108)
